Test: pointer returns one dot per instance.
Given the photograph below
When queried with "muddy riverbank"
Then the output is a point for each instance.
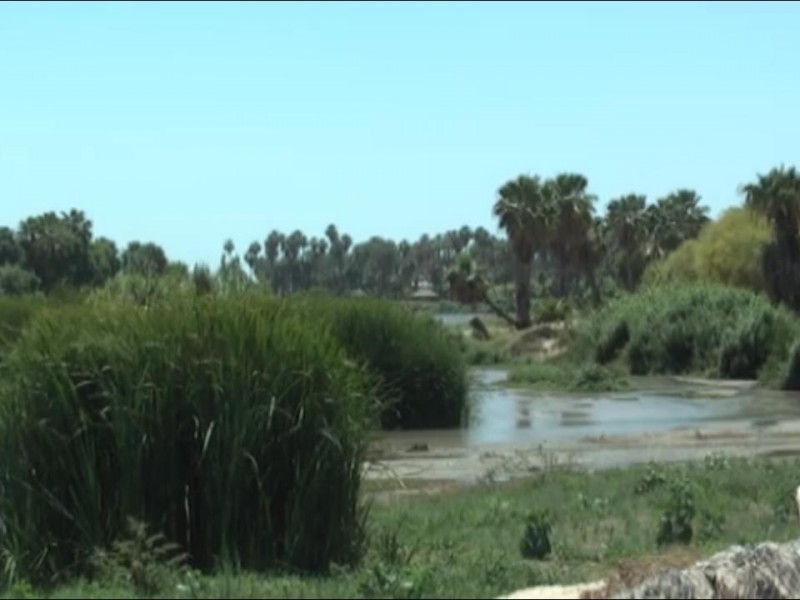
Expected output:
(516, 433)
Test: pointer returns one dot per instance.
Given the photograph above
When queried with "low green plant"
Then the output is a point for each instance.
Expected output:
(676, 521)
(145, 562)
(535, 542)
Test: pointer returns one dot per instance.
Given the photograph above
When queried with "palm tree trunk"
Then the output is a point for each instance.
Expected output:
(523, 293)
(500, 312)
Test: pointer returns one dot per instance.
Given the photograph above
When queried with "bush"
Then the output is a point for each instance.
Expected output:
(535, 542)
(698, 328)
(230, 425)
(16, 281)
(419, 370)
(676, 522)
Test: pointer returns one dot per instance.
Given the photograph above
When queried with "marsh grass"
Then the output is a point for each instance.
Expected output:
(229, 425)
(563, 375)
(421, 375)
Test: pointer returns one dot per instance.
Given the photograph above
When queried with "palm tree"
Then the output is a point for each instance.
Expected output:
(627, 226)
(777, 196)
(525, 214)
(673, 220)
(574, 208)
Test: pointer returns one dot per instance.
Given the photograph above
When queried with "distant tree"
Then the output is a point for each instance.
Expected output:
(627, 226)
(10, 251)
(56, 248)
(144, 259)
(104, 259)
(574, 212)
(776, 195)
(672, 220)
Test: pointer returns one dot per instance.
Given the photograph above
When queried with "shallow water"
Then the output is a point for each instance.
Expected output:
(514, 416)
(516, 431)
(455, 319)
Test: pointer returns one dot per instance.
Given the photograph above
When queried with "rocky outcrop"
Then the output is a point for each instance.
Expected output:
(767, 570)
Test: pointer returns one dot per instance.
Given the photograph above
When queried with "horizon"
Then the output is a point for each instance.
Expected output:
(188, 124)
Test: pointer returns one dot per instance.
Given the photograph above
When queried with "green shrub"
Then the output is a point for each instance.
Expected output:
(535, 542)
(698, 328)
(420, 371)
(230, 425)
(676, 522)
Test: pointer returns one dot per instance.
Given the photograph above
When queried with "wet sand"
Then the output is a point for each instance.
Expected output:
(517, 434)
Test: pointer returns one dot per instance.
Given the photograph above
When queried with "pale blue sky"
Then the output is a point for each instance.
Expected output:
(189, 123)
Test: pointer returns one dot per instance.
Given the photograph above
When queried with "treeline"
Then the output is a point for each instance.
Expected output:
(548, 226)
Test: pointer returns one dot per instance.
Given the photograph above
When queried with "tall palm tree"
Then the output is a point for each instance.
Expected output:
(525, 213)
(674, 219)
(627, 225)
(777, 196)
(574, 212)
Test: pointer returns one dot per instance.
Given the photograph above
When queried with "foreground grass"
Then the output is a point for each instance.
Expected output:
(466, 543)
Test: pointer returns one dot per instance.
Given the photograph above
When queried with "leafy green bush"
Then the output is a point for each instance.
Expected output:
(420, 372)
(697, 328)
(145, 562)
(535, 542)
(231, 425)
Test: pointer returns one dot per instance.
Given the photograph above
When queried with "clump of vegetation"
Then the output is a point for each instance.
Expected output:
(728, 251)
(230, 424)
(567, 376)
(142, 561)
(704, 329)
(535, 542)
(652, 479)
(420, 373)
(676, 522)
(550, 310)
